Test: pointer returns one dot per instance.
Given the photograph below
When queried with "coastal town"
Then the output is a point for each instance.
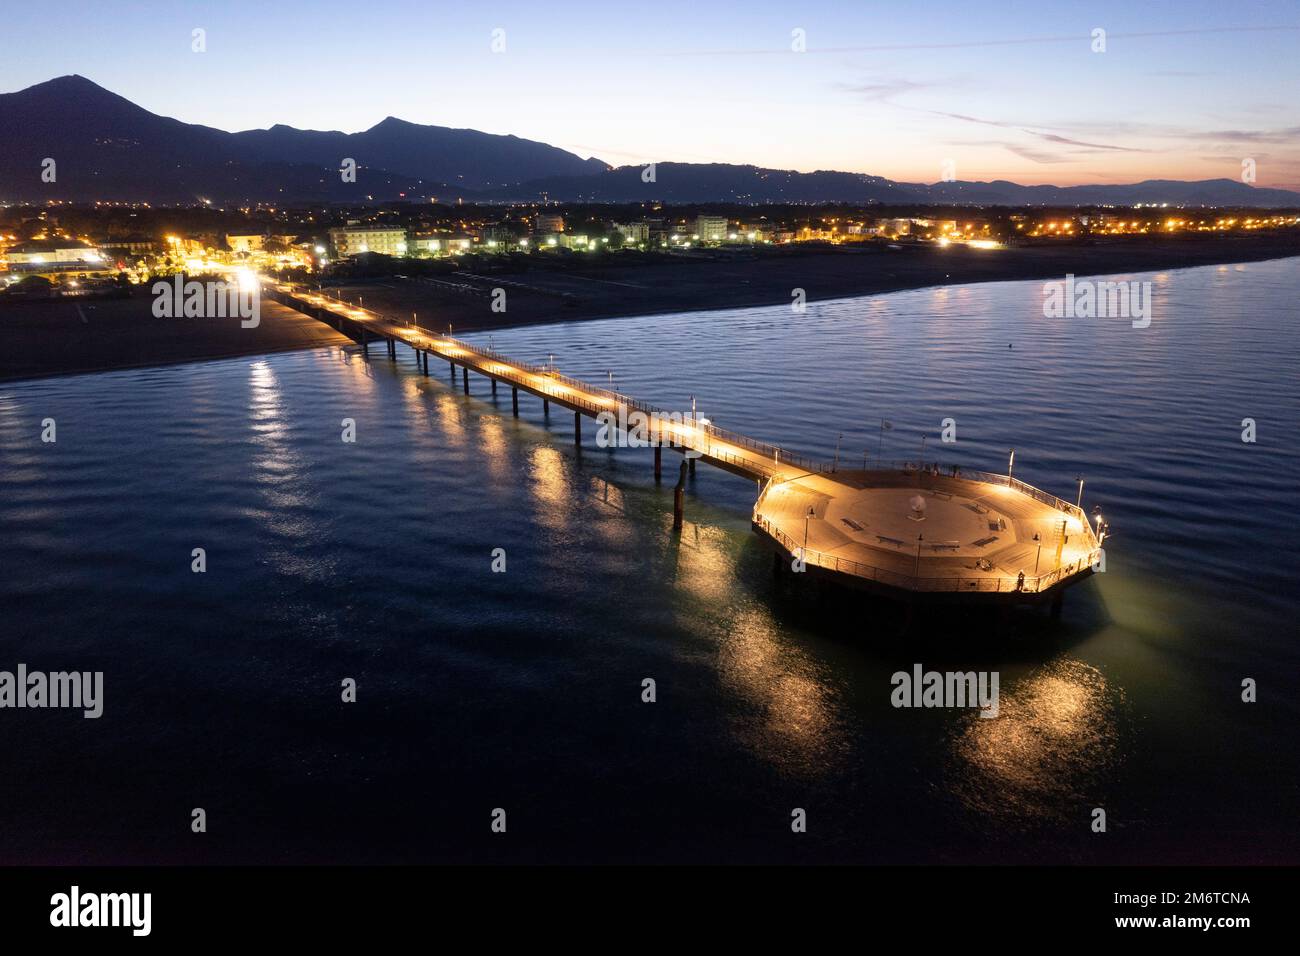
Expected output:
(62, 249)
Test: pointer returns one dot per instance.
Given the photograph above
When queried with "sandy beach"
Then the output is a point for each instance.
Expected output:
(73, 336)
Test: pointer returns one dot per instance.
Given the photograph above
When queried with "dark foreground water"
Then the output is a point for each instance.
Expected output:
(522, 690)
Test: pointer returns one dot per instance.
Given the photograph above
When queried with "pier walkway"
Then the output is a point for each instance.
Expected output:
(906, 526)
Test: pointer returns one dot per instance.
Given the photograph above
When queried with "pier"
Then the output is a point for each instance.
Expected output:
(901, 529)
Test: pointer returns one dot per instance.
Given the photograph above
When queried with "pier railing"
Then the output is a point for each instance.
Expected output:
(996, 583)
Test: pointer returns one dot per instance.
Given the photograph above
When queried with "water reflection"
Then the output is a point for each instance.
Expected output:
(791, 715)
(279, 476)
(1046, 758)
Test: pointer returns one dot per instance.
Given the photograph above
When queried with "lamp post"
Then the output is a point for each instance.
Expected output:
(916, 570)
(1101, 525)
(838, 439)
(1010, 461)
(806, 519)
(1039, 539)
(1079, 502)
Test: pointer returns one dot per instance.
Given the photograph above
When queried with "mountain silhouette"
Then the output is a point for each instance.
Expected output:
(106, 147)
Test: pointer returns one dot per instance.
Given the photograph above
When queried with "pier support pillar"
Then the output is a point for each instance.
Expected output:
(365, 342)
(514, 400)
(679, 499)
(659, 462)
(494, 388)
(464, 377)
(692, 464)
(546, 409)
(577, 429)
(1058, 600)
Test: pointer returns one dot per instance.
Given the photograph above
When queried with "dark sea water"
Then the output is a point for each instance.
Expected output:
(522, 690)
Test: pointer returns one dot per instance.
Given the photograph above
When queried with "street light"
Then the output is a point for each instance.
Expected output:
(1038, 538)
(1010, 461)
(1079, 502)
(806, 519)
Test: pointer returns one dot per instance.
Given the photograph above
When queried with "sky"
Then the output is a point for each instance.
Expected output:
(914, 91)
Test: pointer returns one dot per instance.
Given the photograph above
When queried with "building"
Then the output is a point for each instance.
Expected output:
(52, 256)
(711, 228)
(546, 222)
(245, 244)
(136, 244)
(354, 239)
(426, 245)
(634, 232)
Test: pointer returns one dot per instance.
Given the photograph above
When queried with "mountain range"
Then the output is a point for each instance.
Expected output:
(107, 148)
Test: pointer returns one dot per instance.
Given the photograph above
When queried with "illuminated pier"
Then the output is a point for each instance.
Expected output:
(907, 528)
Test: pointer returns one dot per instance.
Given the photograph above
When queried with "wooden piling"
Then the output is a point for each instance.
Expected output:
(679, 499)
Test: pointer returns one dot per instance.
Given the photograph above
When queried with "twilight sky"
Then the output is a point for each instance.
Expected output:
(1005, 90)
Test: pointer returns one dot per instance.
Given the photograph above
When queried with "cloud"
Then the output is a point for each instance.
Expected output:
(1046, 137)
(1081, 37)
(885, 89)
(1034, 155)
(1288, 136)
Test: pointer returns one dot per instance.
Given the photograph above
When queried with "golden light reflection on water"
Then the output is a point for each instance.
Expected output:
(705, 567)
(609, 514)
(790, 718)
(450, 415)
(1047, 756)
(551, 487)
(278, 474)
(494, 447)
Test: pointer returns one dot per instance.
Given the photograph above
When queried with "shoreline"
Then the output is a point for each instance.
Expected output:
(76, 337)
